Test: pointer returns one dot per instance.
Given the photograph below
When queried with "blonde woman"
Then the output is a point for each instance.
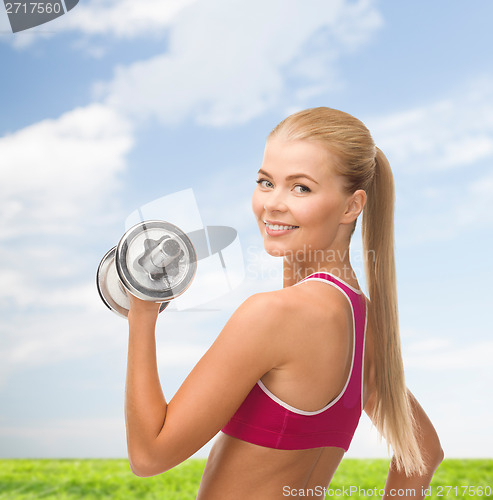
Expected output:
(288, 377)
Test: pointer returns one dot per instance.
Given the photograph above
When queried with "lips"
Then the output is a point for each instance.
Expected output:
(277, 228)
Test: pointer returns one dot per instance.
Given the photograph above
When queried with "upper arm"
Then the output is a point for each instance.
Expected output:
(247, 348)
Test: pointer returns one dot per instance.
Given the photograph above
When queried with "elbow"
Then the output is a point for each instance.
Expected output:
(143, 465)
(439, 455)
(434, 456)
(155, 457)
(137, 471)
(141, 469)
(139, 466)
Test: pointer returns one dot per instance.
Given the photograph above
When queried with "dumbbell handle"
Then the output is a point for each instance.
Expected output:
(167, 251)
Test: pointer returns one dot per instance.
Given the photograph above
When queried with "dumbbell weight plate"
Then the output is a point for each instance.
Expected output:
(154, 260)
(111, 289)
(137, 243)
(109, 285)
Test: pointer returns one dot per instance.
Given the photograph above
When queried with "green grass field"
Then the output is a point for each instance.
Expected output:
(112, 479)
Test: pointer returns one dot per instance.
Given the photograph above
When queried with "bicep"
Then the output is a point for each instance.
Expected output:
(246, 348)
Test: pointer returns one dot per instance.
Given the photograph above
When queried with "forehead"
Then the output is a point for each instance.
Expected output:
(301, 155)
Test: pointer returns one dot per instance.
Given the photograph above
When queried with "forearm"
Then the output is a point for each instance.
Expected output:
(145, 405)
(398, 485)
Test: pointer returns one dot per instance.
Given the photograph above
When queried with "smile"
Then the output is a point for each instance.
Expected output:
(276, 227)
(270, 228)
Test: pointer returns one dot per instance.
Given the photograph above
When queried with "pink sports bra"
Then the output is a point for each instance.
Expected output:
(265, 420)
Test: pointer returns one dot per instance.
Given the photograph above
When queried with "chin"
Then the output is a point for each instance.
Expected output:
(277, 250)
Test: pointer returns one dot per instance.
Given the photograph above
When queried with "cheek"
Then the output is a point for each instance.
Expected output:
(317, 214)
(320, 223)
(257, 205)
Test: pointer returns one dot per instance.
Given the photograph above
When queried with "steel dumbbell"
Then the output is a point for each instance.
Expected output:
(154, 261)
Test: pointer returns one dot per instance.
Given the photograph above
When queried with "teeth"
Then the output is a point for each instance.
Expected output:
(277, 227)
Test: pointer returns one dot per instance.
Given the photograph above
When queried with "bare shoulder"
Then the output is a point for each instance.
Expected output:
(260, 321)
(267, 314)
(315, 301)
(262, 310)
(296, 308)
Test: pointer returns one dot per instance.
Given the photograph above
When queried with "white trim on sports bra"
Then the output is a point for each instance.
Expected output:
(363, 354)
(339, 396)
(359, 292)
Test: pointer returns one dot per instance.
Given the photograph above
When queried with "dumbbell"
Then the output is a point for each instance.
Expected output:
(154, 261)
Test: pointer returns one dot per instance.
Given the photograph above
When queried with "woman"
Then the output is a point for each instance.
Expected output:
(290, 373)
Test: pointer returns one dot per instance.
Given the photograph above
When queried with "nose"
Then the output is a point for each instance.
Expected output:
(274, 201)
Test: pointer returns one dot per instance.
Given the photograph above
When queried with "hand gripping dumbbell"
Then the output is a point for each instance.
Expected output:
(154, 261)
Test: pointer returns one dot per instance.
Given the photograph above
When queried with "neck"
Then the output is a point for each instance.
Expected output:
(334, 261)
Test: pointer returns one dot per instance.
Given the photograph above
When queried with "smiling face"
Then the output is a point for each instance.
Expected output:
(299, 202)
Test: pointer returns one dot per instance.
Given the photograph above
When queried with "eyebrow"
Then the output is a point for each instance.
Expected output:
(290, 177)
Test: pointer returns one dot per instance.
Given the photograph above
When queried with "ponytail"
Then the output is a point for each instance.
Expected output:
(392, 413)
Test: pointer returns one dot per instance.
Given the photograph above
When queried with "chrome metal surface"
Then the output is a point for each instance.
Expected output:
(154, 260)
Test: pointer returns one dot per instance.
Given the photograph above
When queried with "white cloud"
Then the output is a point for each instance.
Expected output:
(58, 184)
(454, 132)
(71, 322)
(56, 173)
(217, 73)
(438, 354)
(59, 197)
(475, 209)
(4, 22)
(432, 345)
(58, 438)
(446, 210)
(227, 61)
(174, 354)
(441, 157)
(123, 18)
(219, 32)
(57, 330)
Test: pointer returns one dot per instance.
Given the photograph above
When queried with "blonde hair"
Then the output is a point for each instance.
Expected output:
(364, 166)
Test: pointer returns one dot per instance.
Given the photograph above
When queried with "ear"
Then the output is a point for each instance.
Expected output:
(354, 207)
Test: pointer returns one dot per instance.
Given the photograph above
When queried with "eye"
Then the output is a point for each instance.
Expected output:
(264, 183)
(302, 189)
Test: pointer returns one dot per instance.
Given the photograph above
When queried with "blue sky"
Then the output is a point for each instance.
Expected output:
(120, 103)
